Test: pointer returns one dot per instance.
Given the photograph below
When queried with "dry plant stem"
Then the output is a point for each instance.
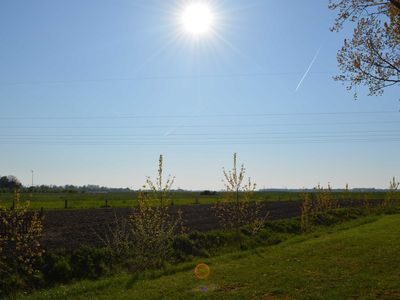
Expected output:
(392, 197)
(116, 238)
(306, 212)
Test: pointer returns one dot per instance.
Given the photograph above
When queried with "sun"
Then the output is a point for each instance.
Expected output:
(197, 19)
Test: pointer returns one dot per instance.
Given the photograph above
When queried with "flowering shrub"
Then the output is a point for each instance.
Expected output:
(20, 249)
(153, 227)
(237, 208)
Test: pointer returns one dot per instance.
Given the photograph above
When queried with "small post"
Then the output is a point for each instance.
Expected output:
(16, 199)
(66, 203)
(106, 200)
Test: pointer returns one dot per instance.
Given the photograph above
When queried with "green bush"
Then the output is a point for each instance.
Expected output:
(57, 268)
(325, 219)
(246, 242)
(86, 262)
(284, 226)
(391, 210)
(210, 241)
(264, 235)
(337, 216)
(183, 247)
(347, 214)
(90, 262)
(201, 244)
(11, 284)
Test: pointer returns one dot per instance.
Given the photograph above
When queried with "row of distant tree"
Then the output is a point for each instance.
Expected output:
(11, 183)
(75, 189)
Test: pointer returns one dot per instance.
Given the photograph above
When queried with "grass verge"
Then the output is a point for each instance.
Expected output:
(356, 259)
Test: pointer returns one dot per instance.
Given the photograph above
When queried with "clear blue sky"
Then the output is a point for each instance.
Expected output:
(92, 91)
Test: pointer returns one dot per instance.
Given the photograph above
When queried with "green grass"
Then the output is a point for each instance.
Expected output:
(129, 199)
(357, 259)
(121, 199)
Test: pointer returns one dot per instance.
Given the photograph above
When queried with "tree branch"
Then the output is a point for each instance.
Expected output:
(382, 58)
(396, 3)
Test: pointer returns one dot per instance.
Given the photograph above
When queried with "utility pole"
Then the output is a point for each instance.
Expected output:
(32, 177)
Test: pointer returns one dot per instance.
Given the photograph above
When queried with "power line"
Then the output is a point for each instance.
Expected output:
(208, 143)
(196, 134)
(194, 116)
(134, 138)
(203, 125)
(166, 77)
(286, 133)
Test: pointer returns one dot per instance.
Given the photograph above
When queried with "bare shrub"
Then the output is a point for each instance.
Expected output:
(392, 196)
(367, 202)
(306, 212)
(117, 237)
(324, 199)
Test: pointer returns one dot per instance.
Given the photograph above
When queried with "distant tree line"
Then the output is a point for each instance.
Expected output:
(75, 189)
(208, 193)
(9, 183)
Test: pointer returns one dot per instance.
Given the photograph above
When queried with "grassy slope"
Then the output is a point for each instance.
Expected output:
(354, 260)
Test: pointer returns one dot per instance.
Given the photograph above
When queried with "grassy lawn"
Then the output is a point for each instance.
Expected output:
(129, 199)
(121, 199)
(92, 200)
(358, 259)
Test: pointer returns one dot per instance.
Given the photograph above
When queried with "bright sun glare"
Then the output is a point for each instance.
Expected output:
(197, 19)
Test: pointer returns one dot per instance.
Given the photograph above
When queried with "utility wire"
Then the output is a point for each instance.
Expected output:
(195, 116)
(140, 78)
(203, 125)
(192, 138)
(222, 134)
(209, 143)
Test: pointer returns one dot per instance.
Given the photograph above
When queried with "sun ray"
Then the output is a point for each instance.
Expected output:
(238, 51)
(172, 40)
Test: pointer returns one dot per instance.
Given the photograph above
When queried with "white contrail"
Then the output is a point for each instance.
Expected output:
(174, 128)
(309, 68)
(171, 130)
